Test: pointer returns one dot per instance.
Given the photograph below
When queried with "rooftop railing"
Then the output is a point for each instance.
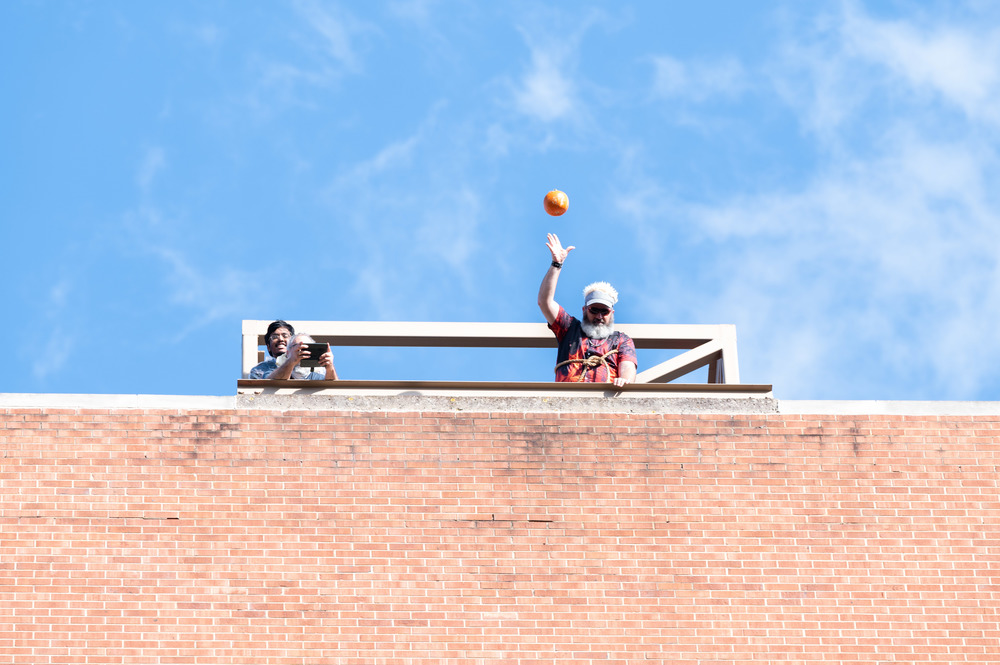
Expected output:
(711, 346)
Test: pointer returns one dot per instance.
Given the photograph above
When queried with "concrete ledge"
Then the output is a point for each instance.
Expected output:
(485, 404)
(395, 403)
(526, 404)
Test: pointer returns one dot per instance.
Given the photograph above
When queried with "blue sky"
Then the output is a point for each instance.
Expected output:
(820, 174)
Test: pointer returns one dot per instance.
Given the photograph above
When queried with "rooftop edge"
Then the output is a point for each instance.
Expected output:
(680, 403)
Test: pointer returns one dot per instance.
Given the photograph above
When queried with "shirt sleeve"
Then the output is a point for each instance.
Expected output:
(626, 351)
(561, 325)
(261, 371)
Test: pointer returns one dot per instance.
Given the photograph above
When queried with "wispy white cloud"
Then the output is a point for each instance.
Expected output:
(449, 231)
(153, 161)
(546, 92)
(53, 354)
(209, 34)
(849, 59)
(395, 155)
(548, 88)
(340, 30)
(865, 258)
(212, 294)
(697, 81)
(961, 63)
(498, 140)
(200, 289)
(278, 85)
(59, 294)
(411, 203)
(319, 57)
(56, 345)
(204, 33)
(419, 12)
(883, 263)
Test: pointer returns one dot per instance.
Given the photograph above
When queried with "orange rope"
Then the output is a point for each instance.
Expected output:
(590, 362)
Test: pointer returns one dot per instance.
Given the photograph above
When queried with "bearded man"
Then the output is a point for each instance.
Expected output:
(589, 348)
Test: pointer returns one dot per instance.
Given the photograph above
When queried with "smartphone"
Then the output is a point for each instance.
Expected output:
(315, 351)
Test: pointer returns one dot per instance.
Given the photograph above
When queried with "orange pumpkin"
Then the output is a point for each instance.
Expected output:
(556, 202)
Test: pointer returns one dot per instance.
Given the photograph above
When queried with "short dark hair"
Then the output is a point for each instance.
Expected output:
(278, 324)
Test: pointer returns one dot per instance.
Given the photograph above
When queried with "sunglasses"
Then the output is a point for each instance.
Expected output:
(598, 311)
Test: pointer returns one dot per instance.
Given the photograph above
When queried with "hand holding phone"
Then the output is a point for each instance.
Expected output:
(315, 350)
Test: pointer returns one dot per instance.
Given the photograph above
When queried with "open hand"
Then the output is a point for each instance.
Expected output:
(558, 253)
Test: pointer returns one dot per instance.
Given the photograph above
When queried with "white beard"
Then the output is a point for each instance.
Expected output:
(597, 330)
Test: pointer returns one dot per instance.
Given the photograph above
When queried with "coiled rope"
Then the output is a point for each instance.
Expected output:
(590, 362)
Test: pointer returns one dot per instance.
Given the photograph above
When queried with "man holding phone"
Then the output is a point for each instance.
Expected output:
(294, 356)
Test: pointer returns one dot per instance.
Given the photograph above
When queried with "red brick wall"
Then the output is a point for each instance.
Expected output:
(304, 537)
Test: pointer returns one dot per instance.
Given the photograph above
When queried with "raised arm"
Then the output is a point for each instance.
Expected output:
(547, 291)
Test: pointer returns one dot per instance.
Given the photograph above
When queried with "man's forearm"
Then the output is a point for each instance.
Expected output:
(627, 370)
(283, 372)
(547, 294)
